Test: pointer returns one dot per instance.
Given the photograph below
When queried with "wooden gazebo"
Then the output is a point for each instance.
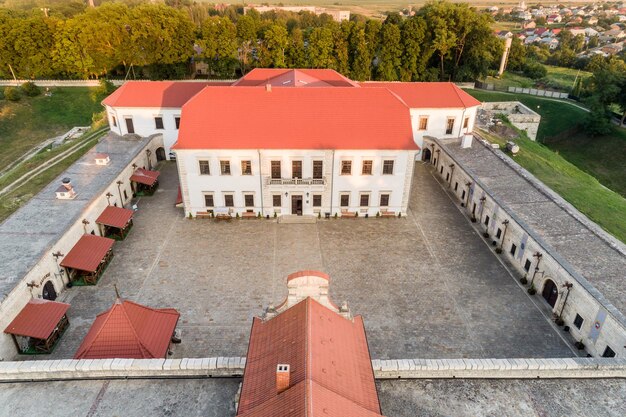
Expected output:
(115, 222)
(39, 326)
(88, 259)
(144, 181)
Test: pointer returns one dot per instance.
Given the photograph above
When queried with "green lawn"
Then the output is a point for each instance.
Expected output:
(558, 78)
(28, 122)
(603, 206)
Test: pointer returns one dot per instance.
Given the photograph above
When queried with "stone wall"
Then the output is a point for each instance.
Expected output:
(518, 114)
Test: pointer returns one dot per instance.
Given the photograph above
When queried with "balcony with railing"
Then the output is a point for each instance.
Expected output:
(295, 181)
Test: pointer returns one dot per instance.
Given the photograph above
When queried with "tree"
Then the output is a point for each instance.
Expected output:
(321, 48)
(360, 59)
(246, 37)
(517, 55)
(275, 41)
(219, 44)
(389, 58)
(296, 57)
(414, 57)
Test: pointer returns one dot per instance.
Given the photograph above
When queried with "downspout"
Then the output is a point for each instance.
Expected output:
(462, 123)
(261, 184)
(332, 183)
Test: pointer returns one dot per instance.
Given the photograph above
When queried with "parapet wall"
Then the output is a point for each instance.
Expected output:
(233, 367)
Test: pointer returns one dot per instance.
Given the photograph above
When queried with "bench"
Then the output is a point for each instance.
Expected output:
(203, 215)
(387, 213)
(223, 216)
(248, 215)
(348, 213)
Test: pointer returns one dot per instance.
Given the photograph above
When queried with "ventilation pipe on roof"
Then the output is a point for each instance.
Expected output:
(268, 87)
(282, 377)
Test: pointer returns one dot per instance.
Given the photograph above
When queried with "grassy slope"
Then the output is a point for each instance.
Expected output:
(30, 121)
(558, 77)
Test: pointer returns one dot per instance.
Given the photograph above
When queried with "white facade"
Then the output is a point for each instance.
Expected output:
(441, 123)
(144, 122)
(292, 191)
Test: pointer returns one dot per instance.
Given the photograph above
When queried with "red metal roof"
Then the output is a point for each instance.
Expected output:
(307, 274)
(294, 78)
(144, 176)
(295, 118)
(115, 217)
(37, 319)
(129, 330)
(155, 93)
(87, 253)
(428, 95)
(331, 370)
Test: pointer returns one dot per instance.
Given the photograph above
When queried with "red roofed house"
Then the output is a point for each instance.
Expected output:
(308, 141)
(308, 358)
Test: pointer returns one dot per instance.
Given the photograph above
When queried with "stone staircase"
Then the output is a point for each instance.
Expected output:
(294, 219)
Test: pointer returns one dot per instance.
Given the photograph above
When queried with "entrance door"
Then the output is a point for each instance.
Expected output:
(296, 205)
(49, 292)
(160, 154)
(550, 292)
(426, 155)
(130, 127)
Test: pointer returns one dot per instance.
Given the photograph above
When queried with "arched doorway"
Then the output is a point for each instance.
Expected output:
(160, 154)
(426, 155)
(49, 293)
(550, 292)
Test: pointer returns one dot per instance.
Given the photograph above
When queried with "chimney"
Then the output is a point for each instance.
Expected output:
(102, 159)
(66, 190)
(67, 183)
(268, 87)
(466, 141)
(282, 377)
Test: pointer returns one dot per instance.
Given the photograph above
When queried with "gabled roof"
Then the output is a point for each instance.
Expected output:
(295, 118)
(331, 371)
(156, 93)
(145, 176)
(37, 319)
(87, 253)
(427, 95)
(294, 78)
(115, 217)
(129, 330)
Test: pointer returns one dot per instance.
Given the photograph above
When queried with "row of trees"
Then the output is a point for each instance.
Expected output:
(442, 41)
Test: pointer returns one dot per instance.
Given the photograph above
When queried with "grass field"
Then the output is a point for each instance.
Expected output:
(30, 121)
(583, 191)
(558, 78)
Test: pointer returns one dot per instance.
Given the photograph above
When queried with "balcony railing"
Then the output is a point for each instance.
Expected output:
(296, 181)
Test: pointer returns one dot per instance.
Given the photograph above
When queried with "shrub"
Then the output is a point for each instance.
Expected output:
(535, 70)
(12, 94)
(30, 89)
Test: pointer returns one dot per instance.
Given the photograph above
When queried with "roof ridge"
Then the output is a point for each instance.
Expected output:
(132, 326)
(107, 318)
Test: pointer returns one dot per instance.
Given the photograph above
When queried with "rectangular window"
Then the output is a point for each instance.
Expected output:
(130, 127)
(277, 200)
(423, 122)
(578, 321)
(486, 220)
(365, 200)
(318, 169)
(246, 167)
(388, 167)
(384, 200)
(346, 167)
(248, 200)
(114, 121)
(276, 172)
(317, 200)
(158, 122)
(208, 200)
(527, 265)
(463, 195)
(225, 167)
(466, 123)
(499, 233)
(441, 170)
(456, 186)
(228, 200)
(449, 125)
(367, 168)
(345, 200)
(204, 168)
(296, 169)
(513, 249)
(177, 122)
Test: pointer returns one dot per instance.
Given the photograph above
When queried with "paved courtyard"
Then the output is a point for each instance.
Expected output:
(426, 285)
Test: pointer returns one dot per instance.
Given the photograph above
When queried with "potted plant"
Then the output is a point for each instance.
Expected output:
(486, 235)
(532, 290)
(566, 328)
(494, 243)
(498, 250)
(237, 215)
(473, 219)
(319, 215)
(579, 345)
(367, 215)
(335, 215)
(378, 214)
(399, 215)
(190, 216)
(559, 321)
(275, 215)
(524, 280)
(258, 216)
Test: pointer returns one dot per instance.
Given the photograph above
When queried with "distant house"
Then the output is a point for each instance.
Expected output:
(553, 19)
(556, 32)
(553, 43)
(592, 20)
(504, 34)
(541, 31)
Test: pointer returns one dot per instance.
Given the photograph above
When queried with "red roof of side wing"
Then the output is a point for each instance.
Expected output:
(294, 78)
(115, 217)
(156, 93)
(295, 118)
(145, 176)
(37, 319)
(331, 370)
(428, 95)
(129, 330)
(87, 253)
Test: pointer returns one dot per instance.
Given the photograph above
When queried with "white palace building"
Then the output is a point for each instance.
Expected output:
(302, 142)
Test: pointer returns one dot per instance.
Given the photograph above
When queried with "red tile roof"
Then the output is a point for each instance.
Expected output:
(295, 118)
(87, 253)
(294, 78)
(115, 217)
(129, 330)
(37, 319)
(428, 95)
(331, 370)
(144, 176)
(155, 93)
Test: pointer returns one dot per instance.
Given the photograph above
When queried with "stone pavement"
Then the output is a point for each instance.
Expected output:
(426, 285)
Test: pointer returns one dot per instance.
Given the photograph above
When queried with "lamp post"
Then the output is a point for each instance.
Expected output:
(119, 183)
(568, 286)
(108, 195)
(451, 166)
(85, 223)
(482, 208)
(56, 256)
(506, 226)
(469, 186)
(432, 154)
(537, 255)
(438, 151)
